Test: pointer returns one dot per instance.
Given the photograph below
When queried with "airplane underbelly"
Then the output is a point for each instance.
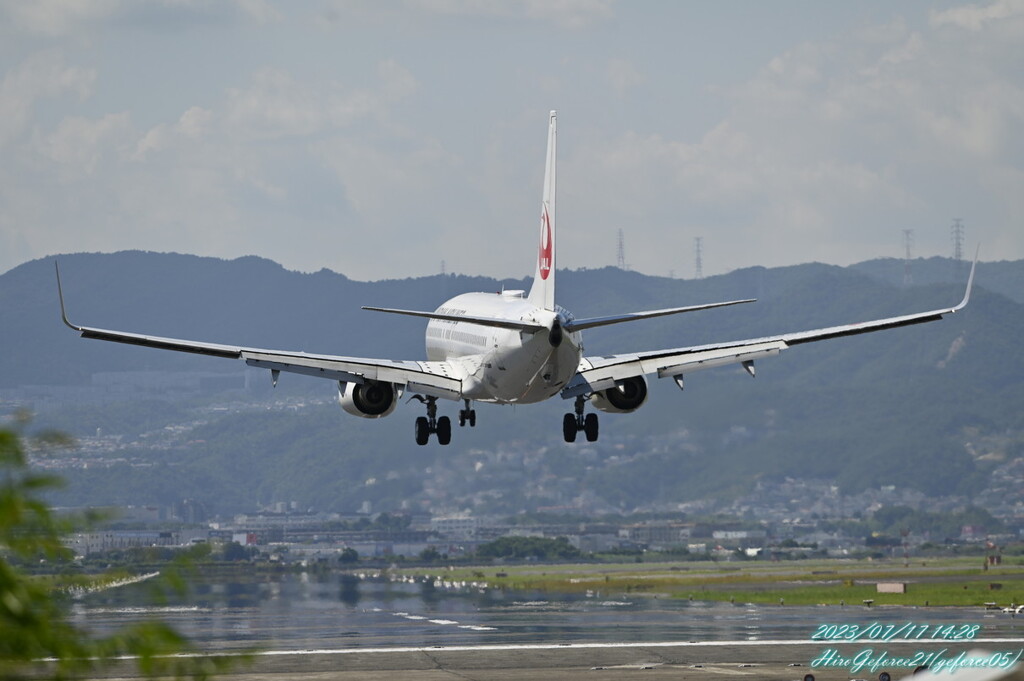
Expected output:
(531, 374)
(554, 374)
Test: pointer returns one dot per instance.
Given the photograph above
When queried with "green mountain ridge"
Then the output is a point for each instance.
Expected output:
(935, 407)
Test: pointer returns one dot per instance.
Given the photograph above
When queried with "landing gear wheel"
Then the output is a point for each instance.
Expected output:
(574, 423)
(467, 415)
(444, 430)
(425, 425)
(590, 427)
(569, 428)
(422, 430)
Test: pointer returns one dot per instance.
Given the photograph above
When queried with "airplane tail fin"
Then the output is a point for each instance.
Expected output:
(542, 293)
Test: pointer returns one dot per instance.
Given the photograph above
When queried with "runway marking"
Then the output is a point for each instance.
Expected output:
(583, 646)
(523, 646)
(442, 622)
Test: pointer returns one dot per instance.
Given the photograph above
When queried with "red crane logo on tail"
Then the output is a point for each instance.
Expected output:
(544, 254)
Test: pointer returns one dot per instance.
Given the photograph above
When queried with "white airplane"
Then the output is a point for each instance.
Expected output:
(512, 348)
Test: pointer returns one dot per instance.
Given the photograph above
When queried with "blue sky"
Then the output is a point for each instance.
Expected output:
(378, 139)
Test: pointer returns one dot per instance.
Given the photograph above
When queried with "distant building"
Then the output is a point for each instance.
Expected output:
(463, 527)
(657, 534)
(741, 538)
(598, 543)
(972, 533)
(89, 543)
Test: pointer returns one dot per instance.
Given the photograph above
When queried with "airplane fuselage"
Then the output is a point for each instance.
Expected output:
(505, 365)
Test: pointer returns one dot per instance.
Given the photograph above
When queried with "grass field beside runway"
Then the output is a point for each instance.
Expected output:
(940, 582)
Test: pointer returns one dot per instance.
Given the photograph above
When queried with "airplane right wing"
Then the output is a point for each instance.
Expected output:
(601, 373)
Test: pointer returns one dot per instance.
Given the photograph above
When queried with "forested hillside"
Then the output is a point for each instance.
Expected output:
(935, 407)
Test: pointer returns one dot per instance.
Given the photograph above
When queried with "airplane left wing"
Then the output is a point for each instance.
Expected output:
(600, 373)
(435, 379)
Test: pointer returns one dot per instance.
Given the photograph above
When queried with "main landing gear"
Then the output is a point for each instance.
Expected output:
(425, 425)
(574, 423)
(442, 426)
(467, 415)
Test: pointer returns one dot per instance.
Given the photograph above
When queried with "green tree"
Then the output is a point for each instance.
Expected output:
(527, 548)
(392, 522)
(235, 552)
(34, 622)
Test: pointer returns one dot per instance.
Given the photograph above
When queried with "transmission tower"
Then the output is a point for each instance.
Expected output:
(908, 244)
(904, 532)
(698, 253)
(620, 258)
(957, 235)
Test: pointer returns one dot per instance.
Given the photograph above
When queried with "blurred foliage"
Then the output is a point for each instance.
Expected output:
(37, 636)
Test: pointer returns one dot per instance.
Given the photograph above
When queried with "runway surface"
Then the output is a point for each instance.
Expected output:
(325, 627)
(740, 660)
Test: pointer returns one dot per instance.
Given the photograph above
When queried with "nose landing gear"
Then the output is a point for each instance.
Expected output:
(574, 423)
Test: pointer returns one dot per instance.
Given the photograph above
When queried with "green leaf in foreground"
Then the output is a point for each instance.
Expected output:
(36, 635)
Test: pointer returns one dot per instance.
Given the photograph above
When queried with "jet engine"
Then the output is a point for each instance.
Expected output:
(627, 396)
(371, 400)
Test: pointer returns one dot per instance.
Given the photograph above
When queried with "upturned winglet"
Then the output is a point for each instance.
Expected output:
(60, 294)
(970, 282)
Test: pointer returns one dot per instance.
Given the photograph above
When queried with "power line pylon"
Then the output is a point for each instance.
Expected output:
(956, 233)
(908, 244)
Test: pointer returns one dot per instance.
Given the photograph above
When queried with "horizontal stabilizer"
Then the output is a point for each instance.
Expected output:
(581, 324)
(528, 327)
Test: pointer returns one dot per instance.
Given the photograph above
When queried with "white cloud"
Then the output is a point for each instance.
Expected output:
(978, 17)
(76, 17)
(212, 180)
(574, 14)
(837, 143)
(195, 123)
(373, 177)
(570, 14)
(624, 76)
(395, 81)
(42, 75)
(259, 10)
(57, 17)
(240, 166)
(275, 104)
(421, 122)
(78, 144)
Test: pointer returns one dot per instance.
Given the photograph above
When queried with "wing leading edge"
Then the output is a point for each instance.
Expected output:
(436, 379)
(600, 373)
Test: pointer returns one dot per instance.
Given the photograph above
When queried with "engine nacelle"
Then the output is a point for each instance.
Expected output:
(628, 396)
(371, 400)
